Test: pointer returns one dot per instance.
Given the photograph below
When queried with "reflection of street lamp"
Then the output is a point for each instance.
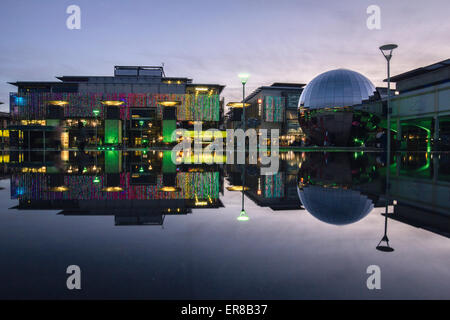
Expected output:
(243, 216)
(387, 53)
(385, 247)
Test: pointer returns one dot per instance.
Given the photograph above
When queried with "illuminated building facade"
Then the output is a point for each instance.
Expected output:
(420, 109)
(138, 107)
(271, 107)
(4, 132)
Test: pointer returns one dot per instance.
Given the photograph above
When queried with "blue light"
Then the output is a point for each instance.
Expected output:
(20, 101)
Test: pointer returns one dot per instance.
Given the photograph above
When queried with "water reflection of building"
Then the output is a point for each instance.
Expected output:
(278, 191)
(339, 188)
(136, 187)
(137, 107)
(420, 183)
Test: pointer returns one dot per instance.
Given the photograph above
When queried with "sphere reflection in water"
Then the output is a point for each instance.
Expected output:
(335, 206)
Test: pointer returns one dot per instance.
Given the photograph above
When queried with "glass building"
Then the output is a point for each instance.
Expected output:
(326, 111)
(137, 107)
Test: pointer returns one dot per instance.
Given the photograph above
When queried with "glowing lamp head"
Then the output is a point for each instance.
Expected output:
(244, 77)
(243, 216)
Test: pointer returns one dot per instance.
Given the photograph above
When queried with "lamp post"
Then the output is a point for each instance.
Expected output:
(244, 78)
(386, 50)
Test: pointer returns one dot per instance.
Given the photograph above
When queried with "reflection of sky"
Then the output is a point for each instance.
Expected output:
(209, 254)
(213, 41)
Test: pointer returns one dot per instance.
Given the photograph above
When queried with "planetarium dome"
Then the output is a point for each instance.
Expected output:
(335, 206)
(336, 88)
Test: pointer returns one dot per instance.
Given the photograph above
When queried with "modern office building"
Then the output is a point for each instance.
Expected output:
(137, 107)
(420, 109)
(4, 132)
(271, 107)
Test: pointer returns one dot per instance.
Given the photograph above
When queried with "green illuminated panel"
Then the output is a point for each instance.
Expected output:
(167, 164)
(53, 122)
(113, 161)
(169, 127)
(113, 131)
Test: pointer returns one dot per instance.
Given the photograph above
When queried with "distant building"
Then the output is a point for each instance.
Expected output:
(137, 107)
(4, 132)
(272, 107)
(420, 109)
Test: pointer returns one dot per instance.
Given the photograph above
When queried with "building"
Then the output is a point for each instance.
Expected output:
(420, 109)
(4, 132)
(326, 109)
(138, 107)
(271, 107)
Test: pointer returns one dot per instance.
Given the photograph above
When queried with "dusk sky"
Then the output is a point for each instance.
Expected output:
(213, 41)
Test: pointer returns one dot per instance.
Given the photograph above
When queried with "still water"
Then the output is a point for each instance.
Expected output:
(140, 226)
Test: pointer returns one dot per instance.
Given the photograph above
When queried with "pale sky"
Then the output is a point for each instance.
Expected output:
(213, 41)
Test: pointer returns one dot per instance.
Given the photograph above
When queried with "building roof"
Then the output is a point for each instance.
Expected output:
(419, 71)
(210, 85)
(34, 83)
(276, 86)
(336, 88)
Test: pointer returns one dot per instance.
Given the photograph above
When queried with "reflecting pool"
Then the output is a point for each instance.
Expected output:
(140, 226)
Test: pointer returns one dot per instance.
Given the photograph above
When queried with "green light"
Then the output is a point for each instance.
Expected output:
(243, 216)
(96, 180)
(358, 141)
(244, 77)
(141, 123)
(96, 112)
(141, 169)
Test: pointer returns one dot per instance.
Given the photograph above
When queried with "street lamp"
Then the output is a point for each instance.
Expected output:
(386, 50)
(244, 78)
